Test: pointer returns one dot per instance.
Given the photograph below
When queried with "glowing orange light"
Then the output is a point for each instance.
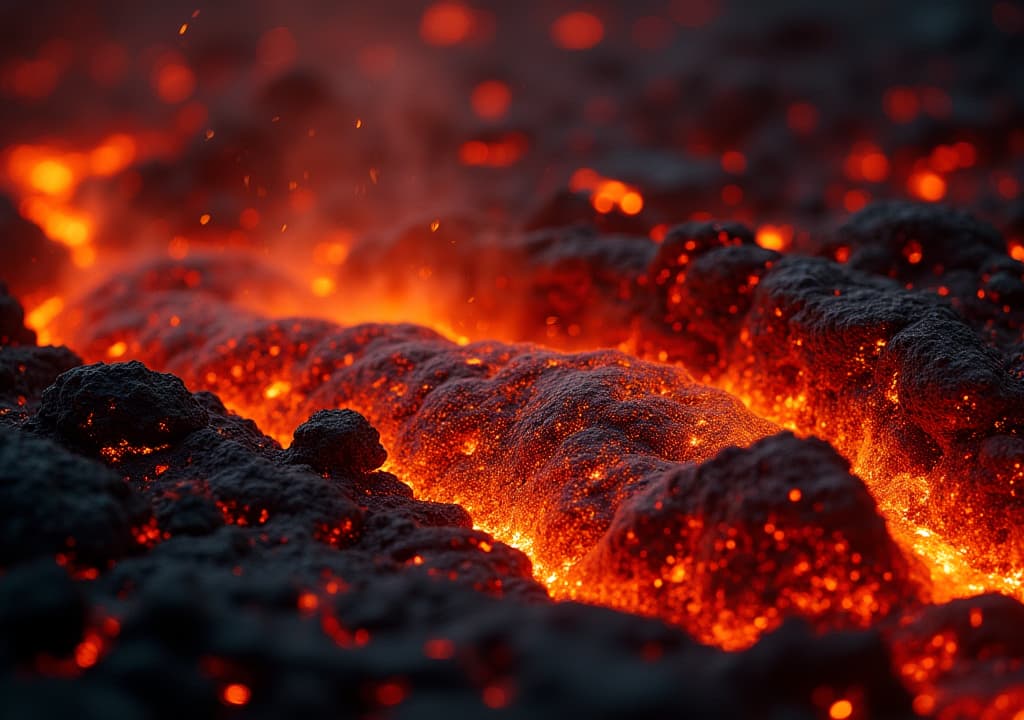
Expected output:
(277, 389)
(491, 99)
(927, 186)
(912, 252)
(52, 177)
(118, 349)
(1017, 251)
(840, 710)
(116, 153)
(772, 238)
(42, 315)
(577, 31)
(322, 286)
(70, 228)
(236, 694)
(611, 191)
(446, 23)
(204, 218)
(795, 495)
(631, 203)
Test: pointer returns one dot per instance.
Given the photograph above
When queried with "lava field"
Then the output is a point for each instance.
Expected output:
(547, 359)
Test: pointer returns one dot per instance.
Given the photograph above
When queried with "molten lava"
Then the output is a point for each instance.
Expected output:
(631, 292)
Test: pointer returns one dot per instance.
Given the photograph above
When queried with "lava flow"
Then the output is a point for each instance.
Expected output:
(580, 359)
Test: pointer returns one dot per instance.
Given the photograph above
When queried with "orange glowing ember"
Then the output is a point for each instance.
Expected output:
(840, 710)
(52, 177)
(607, 194)
(772, 237)
(236, 694)
(927, 186)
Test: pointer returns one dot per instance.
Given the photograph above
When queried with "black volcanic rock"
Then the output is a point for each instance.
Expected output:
(52, 501)
(26, 371)
(340, 441)
(125, 404)
(906, 240)
(41, 610)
